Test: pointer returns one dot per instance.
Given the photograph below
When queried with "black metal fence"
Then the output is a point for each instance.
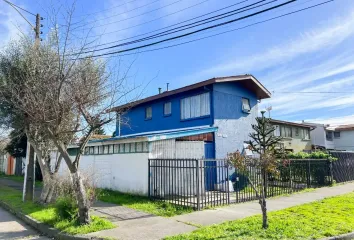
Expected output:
(343, 168)
(203, 183)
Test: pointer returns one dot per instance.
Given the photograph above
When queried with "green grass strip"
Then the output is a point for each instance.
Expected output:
(143, 203)
(329, 217)
(48, 215)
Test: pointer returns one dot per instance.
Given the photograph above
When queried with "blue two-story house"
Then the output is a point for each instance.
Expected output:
(218, 111)
(205, 120)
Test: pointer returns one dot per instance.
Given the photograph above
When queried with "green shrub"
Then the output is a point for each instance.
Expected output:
(66, 208)
(313, 155)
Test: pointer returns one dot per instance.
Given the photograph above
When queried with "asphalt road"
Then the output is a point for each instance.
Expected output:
(13, 228)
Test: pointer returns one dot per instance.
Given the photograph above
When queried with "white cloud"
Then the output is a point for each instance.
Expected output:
(11, 24)
(311, 41)
(346, 119)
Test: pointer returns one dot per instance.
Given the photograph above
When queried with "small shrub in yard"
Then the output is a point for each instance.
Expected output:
(66, 208)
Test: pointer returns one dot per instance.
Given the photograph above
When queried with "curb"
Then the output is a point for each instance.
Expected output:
(347, 236)
(43, 228)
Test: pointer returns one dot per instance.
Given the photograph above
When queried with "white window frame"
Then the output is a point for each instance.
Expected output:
(195, 106)
(148, 113)
(246, 105)
(282, 131)
(334, 134)
(167, 109)
(306, 134)
(277, 131)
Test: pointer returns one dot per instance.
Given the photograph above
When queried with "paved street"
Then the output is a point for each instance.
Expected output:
(12, 228)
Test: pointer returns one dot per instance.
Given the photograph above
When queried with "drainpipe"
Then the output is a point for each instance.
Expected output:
(119, 123)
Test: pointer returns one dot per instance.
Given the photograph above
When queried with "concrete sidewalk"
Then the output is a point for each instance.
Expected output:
(153, 227)
(133, 224)
(242, 210)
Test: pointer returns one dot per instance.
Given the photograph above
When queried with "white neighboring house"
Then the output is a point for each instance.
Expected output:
(333, 137)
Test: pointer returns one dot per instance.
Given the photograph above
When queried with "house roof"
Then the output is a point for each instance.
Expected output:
(344, 127)
(247, 80)
(291, 123)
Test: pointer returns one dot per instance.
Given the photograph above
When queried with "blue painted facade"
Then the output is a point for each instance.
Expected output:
(136, 122)
(226, 114)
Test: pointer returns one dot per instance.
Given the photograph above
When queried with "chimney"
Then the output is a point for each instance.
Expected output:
(167, 86)
(159, 90)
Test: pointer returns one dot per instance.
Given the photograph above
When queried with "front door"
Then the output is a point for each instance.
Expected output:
(209, 166)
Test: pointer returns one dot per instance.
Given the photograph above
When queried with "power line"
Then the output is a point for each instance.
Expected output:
(104, 10)
(15, 7)
(122, 20)
(187, 26)
(232, 30)
(103, 44)
(153, 20)
(20, 8)
(200, 30)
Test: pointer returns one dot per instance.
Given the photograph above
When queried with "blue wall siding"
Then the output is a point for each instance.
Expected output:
(233, 125)
(136, 122)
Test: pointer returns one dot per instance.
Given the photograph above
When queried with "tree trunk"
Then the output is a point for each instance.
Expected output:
(48, 189)
(262, 201)
(264, 213)
(81, 198)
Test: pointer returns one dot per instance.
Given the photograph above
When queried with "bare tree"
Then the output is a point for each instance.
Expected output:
(58, 95)
(263, 143)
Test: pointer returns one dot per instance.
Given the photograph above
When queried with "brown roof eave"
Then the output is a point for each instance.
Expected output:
(254, 85)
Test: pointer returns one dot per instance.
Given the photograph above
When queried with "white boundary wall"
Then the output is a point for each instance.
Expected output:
(121, 172)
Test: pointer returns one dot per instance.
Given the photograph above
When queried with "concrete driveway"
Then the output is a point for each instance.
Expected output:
(12, 228)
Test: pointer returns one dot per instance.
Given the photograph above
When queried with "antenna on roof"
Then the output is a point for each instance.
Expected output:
(167, 86)
(160, 90)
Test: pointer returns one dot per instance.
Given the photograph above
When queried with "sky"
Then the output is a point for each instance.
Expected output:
(305, 60)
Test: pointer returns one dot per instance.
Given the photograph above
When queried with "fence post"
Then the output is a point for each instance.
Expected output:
(149, 179)
(331, 171)
(308, 174)
(198, 190)
(228, 184)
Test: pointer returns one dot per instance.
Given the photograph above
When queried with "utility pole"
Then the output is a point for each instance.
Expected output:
(30, 170)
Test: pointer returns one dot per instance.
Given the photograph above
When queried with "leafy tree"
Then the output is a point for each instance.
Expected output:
(17, 145)
(263, 144)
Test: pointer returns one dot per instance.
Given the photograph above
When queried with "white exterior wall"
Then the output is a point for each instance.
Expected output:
(318, 135)
(345, 142)
(3, 163)
(121, 172)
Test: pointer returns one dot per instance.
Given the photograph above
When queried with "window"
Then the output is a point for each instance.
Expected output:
(96, 150)
(132, 147)
(145, 147)
(110, 151)
(276, 130)
(297, 132)
(91, 150)
(285, 131)
(196, 106)
(121, 148)
(167, 110)
(336, 134)
(105, 149)
(126, 147)
(329, 136)
(116, 148)
(100, 149)
(139, 146)
(305, 134)
(148, 113)
(246, 107)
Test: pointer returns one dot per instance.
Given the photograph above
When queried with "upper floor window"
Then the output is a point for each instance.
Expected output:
(167, 109)
(305, 134)
(276, 131)
(297, 130)
(329, 136)
(196, 106)
(246, 107)
(148, 113)
(285, 131)
(336, 134)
